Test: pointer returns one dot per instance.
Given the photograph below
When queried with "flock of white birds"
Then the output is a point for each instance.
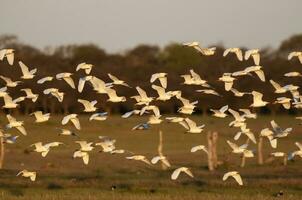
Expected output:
(146, 107)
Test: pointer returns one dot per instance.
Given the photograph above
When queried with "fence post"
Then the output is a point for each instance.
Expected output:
(160, 149)
(210, 151)
(214, 149)
(243, 158)
(2, 152)
(285, 160)
(260, 151)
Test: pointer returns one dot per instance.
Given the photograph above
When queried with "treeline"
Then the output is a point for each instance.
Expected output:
(136, 66)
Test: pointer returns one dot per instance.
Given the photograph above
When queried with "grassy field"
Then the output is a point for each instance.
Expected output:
(62, 177)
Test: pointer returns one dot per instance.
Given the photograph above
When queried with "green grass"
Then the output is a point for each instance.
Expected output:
(62, 177)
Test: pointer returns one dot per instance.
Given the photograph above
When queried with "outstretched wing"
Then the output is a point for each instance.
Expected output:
(76, 123)
(256, 58)
(69, 81)
(141, 92)
(239, 54)
(238, 178)
(113, 78)
(224, 108)
(24, 68)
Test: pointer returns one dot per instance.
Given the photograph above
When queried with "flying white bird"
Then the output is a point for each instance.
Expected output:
(191, 126)
(9, 102)
(85, 146)
(44, 149)
(142, 98)
(118, 151)
(209, 91)
(293, 74)
(177, 171)
(74, 119)
(98, 85)
(130, 113)
(40, 117)
(55, 92)
(162, 94)
(82, 154)
(8, 54)
(241, 149)
(257, 100)
(162, 77)
(188, 79)
(13, 123)
(197, 80)
(107, 144)
(258, 71)
(237, 93)
(88, 105)
(9, 82)
(30, 94)
(82, 82)
(266, 132)
(102, 116)
(239, 119)
(67, 132)
(175, 119)
(248, 114)
(221, 112)
(117, 81)
(139, 158)
(255, 55)
(186, 111)
(236, 51)
(278, 131)
(186, 102)
(198, 148)
(19, 99)
(28, 174)
(228, 81)
(163, 159)
(279, 89)
(204, 51)
(67, 78)
(25, 71)
(113, 96)
(297, 152)
(284, 101)
(153, 108)
(86, 67)
(233, 174)
(247, 132)
(45, 79)
(241, 73)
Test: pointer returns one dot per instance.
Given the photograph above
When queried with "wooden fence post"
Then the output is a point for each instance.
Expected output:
(160, 149)
(260, 151)
(210, 151)
(2, 152)
(214, 149)
(243, 158)
(285, 160)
